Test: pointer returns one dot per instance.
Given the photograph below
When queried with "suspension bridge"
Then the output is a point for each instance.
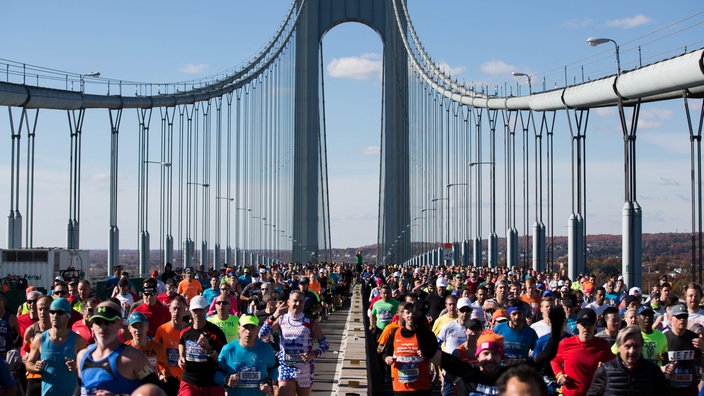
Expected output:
(238, 160)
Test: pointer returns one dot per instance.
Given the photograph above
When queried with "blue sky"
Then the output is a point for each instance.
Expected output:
(480, 42)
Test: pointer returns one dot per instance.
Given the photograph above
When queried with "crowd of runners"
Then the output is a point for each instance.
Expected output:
(237, 331)
(256, 331)
(480, 331)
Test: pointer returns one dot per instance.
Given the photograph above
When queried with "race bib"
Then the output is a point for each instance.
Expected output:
(408, 373)
(172, 356)
(249, 377)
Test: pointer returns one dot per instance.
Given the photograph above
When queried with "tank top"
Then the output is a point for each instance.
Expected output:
(5, 332)
(103, 374)
(296, 338)
(410, 372)
(56, 379)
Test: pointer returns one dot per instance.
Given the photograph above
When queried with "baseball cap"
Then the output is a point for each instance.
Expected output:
(107, 310)
(59, 278)
(679, 310)
(500, 315)
(441, 282)
(60, 304)
(560, 283)
(463, 302)
(149, 285)
(490, 341)
(620, 277)
(249, 320)
(548, 293)
(586, 316)
(154, 273)
(246, 270)
(189, 270)
(137, 317)
(630, 299)
(474, 324)
(635, 290)
(646, 310)
(397, 274)
(564, 288)
(198, 302)
(306, 280)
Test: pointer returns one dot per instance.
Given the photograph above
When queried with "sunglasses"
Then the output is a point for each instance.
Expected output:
(31, 302)
(102, 322)
(223, 289)
(265, 289)
(57, 312)
(148, 294)
(60, 292)
(222, 303)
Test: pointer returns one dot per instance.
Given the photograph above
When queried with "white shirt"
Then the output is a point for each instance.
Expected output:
(541, 328)
(452, 335)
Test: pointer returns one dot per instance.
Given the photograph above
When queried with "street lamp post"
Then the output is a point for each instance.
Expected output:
(449, 237)
(493, 248)
(530, 86)
(632, 213)
(228, 248)
(189, 242)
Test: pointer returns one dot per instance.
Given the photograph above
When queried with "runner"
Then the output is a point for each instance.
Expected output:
(297, 332)
(248, 365)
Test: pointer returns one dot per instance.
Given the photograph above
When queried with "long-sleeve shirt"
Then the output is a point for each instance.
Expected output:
(578, 361)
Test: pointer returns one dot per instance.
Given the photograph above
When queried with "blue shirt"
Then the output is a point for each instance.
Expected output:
(255, 365)
(517, 343)
(210, 294)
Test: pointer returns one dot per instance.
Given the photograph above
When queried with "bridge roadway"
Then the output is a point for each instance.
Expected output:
(343, 370)
(349, 368)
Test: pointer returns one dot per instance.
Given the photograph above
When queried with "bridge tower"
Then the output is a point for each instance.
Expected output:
(318, 17)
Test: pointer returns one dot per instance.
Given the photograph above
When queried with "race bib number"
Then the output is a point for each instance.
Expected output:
(195, 353)
(172, 356)
(408, 373)
(249, 377)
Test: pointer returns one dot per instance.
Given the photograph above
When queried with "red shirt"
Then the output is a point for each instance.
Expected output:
(165, 298)
(579, 360)
(23, 322)
(156, 314)
(84, 331)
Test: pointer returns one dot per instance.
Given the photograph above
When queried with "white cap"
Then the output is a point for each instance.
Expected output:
(635, 290)
(560, 283)
(441, 282)
(59, 278)
(198, 302)
(397, 274)
(620, 277)
(463, 302)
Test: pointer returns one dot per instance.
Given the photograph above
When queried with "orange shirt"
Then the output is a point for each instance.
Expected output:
(534, 302)
(156, 355)
(387, 332)
(315, 286)
(189, 289)
(410, 372)
(168, 336)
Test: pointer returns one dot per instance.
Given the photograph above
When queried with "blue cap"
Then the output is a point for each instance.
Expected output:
(548, 293)
(60, 304)
(137, 317)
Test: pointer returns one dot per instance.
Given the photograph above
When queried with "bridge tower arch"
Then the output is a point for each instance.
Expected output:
(316, 18)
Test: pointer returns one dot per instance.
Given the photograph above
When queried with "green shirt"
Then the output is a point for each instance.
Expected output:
(384, 311)
(654, 345)
(229, 326)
